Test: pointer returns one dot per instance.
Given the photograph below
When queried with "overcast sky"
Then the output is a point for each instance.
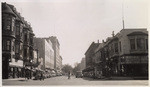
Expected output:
(77, 23)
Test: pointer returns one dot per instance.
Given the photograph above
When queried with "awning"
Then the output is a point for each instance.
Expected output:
(88, 69)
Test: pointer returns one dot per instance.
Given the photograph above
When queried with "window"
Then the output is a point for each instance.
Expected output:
(146, 43)
(13, 46)
(17, 30)
(17, 48)
(8, 24)
(25, 37)
(21, 28)
(116, 47)
(120, 46)
(132, 44)
(13, 23)
(25, 52)
(140, 43)
(8, 45)
(3, 23)
(3, 44)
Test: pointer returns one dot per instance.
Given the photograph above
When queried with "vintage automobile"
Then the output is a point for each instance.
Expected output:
(79, 74)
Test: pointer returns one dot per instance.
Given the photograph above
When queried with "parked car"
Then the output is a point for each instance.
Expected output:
(79, 74)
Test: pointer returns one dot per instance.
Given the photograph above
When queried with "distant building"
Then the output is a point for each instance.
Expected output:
(17, 43)
(60, 62)
(90, 54)
(56, 49)
(46, 52)
(82, 64)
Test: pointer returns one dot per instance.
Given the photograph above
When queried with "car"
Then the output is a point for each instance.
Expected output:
(79, 74)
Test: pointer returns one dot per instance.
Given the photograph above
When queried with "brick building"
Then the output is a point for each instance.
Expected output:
(46, 52)
(123, 54)
(17, 43)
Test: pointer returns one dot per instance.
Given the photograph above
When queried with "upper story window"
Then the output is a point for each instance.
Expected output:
(13, 23)
(25, 52)
(146, 43)
(8, 45)
(116, 47)
(132, 44)
(120, 46)
(8, 27)
(138, 40)
(140, 43)
(25, 37)
(17, 30)
(21, 29)
(17, 48)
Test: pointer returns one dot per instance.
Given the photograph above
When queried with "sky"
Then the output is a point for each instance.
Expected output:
(77, 23)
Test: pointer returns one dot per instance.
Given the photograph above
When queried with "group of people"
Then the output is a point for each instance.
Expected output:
(37, 75)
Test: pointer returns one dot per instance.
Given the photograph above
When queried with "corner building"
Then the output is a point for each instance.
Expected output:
(123, 54)
(13, 53)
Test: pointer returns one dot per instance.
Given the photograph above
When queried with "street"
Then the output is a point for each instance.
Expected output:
(63, 80)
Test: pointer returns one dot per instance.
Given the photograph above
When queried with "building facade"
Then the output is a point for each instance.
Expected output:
(14, 55)
(123, 54)
(89, 58)
(46, 52)
(56, 49)
(82, 64)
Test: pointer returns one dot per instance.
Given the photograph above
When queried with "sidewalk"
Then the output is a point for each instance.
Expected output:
(129, 78)
(121, 78)
(19, 79)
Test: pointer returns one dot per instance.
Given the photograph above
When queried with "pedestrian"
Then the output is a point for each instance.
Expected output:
(26, 74)
(69, 75)
(42, 76)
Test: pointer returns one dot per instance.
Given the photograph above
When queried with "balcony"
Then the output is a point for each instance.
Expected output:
(8, 33)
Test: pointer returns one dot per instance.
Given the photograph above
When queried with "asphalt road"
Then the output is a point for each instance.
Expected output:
(63, 80)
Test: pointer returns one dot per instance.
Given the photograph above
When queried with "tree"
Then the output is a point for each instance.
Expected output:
(76, 68)
(66, 68)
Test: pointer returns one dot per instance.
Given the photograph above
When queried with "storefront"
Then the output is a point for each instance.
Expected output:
(15, 69)
(134, 66)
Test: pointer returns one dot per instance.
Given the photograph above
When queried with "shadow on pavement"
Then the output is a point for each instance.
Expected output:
(21, 80)
(114, 78)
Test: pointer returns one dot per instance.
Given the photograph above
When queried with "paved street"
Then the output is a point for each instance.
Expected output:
(62, 80)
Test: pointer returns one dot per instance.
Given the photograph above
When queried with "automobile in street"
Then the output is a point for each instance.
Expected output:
(79, 74)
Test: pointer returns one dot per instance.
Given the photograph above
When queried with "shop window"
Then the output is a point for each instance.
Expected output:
(132, 44)
(140, 43)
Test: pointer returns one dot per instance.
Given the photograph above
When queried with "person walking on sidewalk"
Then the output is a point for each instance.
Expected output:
(69, 75)
(26, 74)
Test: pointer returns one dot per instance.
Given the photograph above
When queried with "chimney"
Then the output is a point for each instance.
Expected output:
(113, 34)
